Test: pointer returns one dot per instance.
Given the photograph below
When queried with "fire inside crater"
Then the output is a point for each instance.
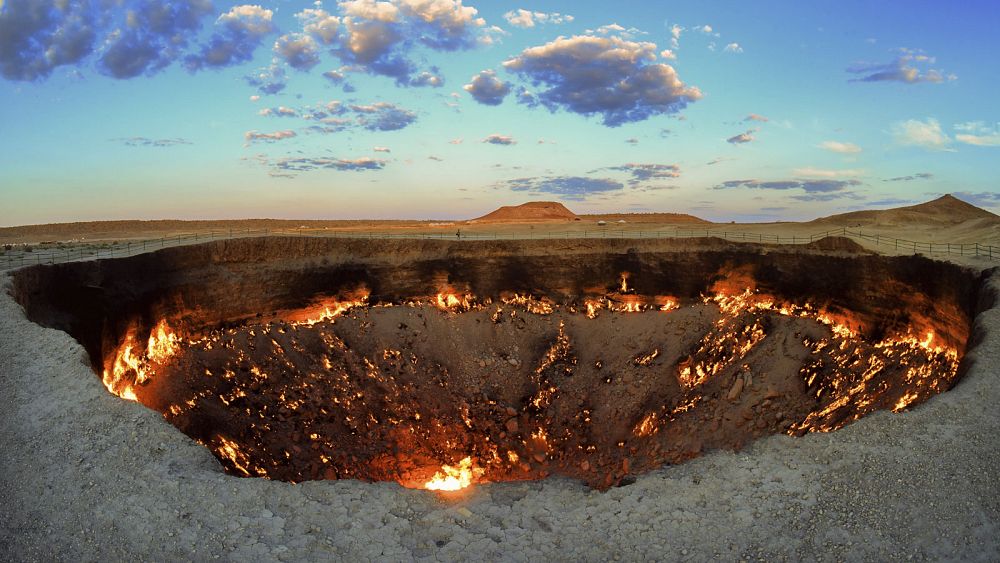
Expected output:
(634, 364)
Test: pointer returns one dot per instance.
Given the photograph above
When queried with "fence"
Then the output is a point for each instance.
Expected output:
(46, 254)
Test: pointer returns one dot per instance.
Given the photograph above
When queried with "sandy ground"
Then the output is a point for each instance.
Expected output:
(87, 476)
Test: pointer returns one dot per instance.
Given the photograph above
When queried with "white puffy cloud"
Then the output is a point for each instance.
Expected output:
(487, 89)
(527, 18)
(733, 48)
(320, 25)
(238, 33)
(607, 76)
(298, 50)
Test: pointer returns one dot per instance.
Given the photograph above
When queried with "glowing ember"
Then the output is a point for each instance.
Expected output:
(454, 478)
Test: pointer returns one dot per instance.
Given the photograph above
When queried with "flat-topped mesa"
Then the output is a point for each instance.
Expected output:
(533, 211)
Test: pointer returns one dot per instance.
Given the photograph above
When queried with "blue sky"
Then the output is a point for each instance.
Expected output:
(447, 109)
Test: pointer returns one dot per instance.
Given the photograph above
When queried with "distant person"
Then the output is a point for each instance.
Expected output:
(458, 233)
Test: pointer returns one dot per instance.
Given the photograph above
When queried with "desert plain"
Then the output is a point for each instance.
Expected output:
(87, 475)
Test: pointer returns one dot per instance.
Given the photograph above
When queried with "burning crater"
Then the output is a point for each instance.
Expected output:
(438, 364)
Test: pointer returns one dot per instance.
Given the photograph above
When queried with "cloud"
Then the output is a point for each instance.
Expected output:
(732, 48)
(607, 76)
(238, 34)
(270, 80)
(280, 111)
(38, 36)
(154, 35)
(141, 38)
(319, 25)
(717, 160)
(456, 141)
(377, 37)
(808, 186)
(978, 133)
(254, 136)
(383, 116)
(742, 138)
(304, 164)
(526, 18)
(911, 177)
(487, 89)
(982, 199)
(300, 51)
(632, 141)
(675, 36)
(496, 139)
(146, 142)
(435, 158)
(905, 68)
(381, 149)
(755, 117)
(925, 134)
(839, 147)
(824, 173)
(706, 29)
(569, 187)
(668, 54)
(645, 172)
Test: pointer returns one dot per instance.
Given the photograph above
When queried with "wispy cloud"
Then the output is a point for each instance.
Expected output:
(909, 67)
(255, 136)
(147, 142)
(568, 187)
(840, 147)
(811, 172)
(809, 186)
(911, 177)
(924, 134)
(497, 139)
(742, 138)
(978, 133)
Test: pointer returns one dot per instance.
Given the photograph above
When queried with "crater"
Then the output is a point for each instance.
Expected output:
(439, 364)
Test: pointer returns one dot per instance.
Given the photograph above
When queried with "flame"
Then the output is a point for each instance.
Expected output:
(624, 282)
(162, 343)
(333, 310)
(454, 478)
(450, 301)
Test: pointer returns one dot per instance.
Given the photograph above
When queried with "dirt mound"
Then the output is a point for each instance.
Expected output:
(837, 244)
(528, 212)
(647, 218)
(945, 210)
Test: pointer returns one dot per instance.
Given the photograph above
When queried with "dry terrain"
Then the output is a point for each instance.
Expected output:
(87, 476)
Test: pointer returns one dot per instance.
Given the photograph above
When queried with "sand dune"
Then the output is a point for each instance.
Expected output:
(945, 210)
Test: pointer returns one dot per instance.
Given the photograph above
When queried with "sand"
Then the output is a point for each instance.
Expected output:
(86, 476)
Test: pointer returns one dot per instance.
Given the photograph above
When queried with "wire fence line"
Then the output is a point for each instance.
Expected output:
(17, 256)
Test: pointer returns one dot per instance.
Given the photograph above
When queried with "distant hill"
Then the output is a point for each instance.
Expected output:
(647, 218)
(533, 211)
(945, 210)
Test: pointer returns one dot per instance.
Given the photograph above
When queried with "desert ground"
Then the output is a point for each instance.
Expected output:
(88, 476)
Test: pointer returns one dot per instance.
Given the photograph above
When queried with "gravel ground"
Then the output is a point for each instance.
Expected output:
(85, 476)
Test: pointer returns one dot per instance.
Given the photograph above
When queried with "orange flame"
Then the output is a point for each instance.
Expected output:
(454, 478)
